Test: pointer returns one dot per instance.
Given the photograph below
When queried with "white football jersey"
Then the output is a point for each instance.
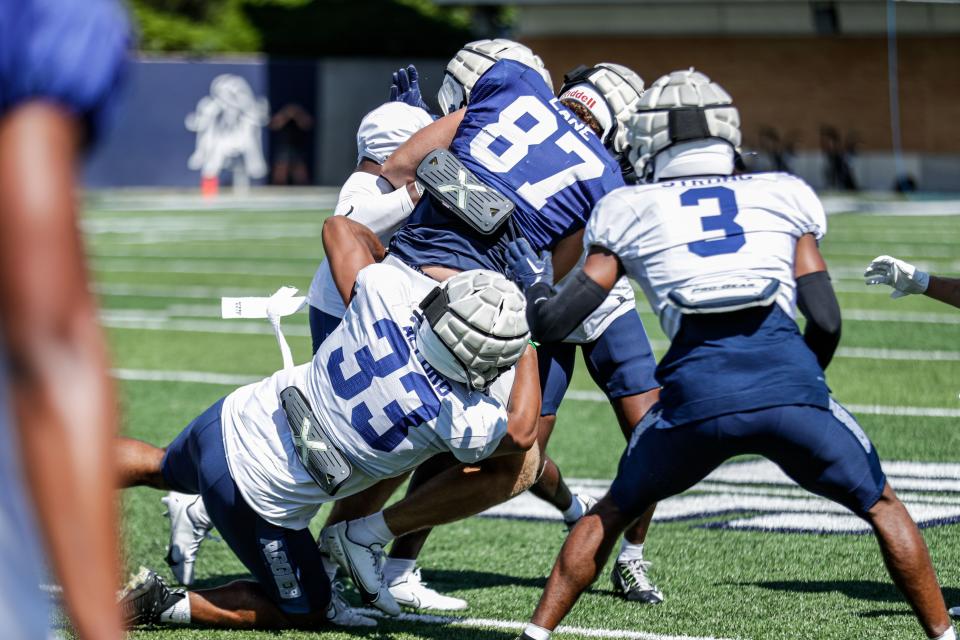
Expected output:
(696, 230)
(386, 409)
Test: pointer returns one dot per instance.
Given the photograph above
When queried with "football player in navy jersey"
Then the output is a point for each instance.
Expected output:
(60, 66)
(552, 157)
(725, 260)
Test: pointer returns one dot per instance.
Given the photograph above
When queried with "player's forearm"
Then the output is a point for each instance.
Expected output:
(400, 168)
(350, 247)
(381, 213)
(63, 401)
(65, 407)
(818, 304)
(944, 289)
(553, 315)
(523, 408)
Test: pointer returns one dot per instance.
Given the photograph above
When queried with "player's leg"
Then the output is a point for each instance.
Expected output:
(660, 461)
(621, 363)
(288, 591)
(400, 569)
(138, 464)
(828, 453)
(321, 325)
(454, 494)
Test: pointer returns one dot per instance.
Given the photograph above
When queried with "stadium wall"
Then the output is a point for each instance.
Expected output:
(149, 143)
(794, 85)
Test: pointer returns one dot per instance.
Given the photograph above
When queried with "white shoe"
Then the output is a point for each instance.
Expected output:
(586, 503)
(189, 525)
(363, 564)
(341, 613)
(409, 590)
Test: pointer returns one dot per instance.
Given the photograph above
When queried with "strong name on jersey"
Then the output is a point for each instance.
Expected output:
(518, 138)
(696, 230)
(385, 408)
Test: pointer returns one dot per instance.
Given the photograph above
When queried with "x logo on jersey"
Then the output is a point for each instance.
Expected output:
(462, 188)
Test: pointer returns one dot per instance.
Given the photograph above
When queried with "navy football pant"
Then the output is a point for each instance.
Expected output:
(620, 362)
(286, 562)
(823, 450)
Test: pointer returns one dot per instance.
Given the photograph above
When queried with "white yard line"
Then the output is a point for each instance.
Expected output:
(511, 625)
(207, 377)
(866, 409)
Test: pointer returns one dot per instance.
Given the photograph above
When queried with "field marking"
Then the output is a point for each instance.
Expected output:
(866, 409)
(511, 625)
(209, 377)
(196, 377)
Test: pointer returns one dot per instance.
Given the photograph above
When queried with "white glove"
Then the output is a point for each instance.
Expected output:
(902, 276)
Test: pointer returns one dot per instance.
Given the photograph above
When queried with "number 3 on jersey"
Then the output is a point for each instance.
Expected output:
(732, 239)
(525, 123)
(370, 369)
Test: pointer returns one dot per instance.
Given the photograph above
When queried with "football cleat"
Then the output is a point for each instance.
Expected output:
(363, 564)
(955, 612)
(341, 613)
(630, 580)
(586, 503)
(146, 597)
(189, 525)
(410, 590)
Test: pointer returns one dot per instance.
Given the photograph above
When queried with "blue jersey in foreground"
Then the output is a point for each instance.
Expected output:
(68, 52)
(518, 138)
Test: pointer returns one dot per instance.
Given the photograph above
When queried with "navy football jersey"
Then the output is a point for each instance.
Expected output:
(70, 52)
(518, 138)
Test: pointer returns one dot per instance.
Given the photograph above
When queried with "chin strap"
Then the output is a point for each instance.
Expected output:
(284, 302)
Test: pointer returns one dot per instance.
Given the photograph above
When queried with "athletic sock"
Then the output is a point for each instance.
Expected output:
(370, 530)
(534, 632)
(396, 568)
(949, 634)
(179, 613)
(329, 566)
(630, 551)
(575, 511)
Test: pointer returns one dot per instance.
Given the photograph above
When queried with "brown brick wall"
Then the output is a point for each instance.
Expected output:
(797, 84)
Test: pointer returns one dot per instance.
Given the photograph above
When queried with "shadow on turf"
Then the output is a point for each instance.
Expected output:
(858, 589)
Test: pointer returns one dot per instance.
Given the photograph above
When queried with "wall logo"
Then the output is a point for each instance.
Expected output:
(228, 125)
(757, 496)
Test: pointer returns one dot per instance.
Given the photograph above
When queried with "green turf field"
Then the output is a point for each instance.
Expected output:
(160, 276)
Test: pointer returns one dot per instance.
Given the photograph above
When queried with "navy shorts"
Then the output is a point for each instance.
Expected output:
(69, 52)
(321, 325)
(620, 362)
(823, 450)
(285, 562)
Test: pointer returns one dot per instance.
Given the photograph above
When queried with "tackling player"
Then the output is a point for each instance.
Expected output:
(724, 260)
(401, 379)
(60, 65)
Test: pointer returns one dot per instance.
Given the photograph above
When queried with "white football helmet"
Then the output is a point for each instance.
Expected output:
(611, 92)
(681, 107)
(473, 60)
(474, 327)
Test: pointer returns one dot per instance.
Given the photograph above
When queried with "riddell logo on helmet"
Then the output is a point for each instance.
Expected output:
(581, 96)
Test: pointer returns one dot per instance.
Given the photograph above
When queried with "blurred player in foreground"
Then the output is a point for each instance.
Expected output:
(60, 63)
(906, 279)
(724, 260)
(402, 378)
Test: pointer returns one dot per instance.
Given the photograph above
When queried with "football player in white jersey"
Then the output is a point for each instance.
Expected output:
(404, 377)
(724, 260)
